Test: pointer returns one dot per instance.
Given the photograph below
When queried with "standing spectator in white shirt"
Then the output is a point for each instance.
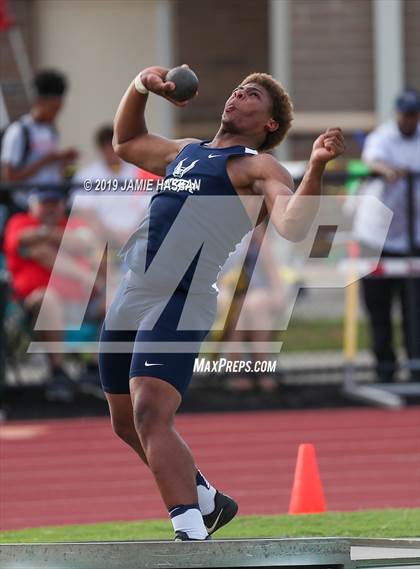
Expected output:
(392, 151)
(30, 147)
(112, 213)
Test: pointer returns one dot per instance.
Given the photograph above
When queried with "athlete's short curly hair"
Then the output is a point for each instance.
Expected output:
(282, 108)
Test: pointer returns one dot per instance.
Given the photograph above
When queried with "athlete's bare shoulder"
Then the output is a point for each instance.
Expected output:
(267, 167)
(183, 142)
(250, 170)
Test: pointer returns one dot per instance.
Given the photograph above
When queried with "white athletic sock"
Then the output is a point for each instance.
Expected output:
(206, 494)
(188, 519)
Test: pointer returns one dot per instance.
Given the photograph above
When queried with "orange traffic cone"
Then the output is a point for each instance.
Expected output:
(307, 493)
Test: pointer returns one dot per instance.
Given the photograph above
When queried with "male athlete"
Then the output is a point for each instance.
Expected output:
(144, 388)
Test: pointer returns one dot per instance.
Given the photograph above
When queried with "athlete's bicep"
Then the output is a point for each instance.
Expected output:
(275, 184)
(151, 152)
(272, 181)
(275, 190)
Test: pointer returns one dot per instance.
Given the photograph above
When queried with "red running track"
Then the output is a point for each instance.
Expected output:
(77, 471)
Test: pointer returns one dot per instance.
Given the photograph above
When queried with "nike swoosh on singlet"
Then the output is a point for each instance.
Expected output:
(148, 365)
(214, 155)
(210, 529)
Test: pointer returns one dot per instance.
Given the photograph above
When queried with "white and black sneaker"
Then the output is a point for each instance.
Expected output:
(225, 510)
(183, 536)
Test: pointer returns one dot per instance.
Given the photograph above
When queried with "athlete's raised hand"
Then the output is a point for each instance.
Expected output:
(328, 146)
(153, 78)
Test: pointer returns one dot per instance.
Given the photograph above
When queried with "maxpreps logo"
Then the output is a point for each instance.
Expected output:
(178, 183)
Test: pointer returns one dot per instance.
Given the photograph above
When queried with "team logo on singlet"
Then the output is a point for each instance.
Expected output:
(176, 182)
(180, 169)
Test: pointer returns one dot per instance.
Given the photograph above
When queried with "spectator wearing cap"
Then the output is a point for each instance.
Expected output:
(31, 244)
(30, 147)
(393, 150)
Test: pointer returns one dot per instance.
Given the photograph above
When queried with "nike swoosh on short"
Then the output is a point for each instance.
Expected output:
(210, 529)
(148, 365)
(214, 155)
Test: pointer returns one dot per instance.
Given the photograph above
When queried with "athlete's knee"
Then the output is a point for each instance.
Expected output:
(124, 430)
(148, 418)
(154, 405)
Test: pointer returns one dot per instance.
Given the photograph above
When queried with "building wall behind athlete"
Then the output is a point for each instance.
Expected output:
(331, 55)
(100, 45)
(9, 77)
(330, 52)
(223, 41)
(412, 43)
(331, 58)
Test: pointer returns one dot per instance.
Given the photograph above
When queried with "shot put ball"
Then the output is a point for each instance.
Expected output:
(186, 83)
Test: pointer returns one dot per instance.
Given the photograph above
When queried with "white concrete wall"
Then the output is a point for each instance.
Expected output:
(101, 45)
(279, 20)
(388, 37)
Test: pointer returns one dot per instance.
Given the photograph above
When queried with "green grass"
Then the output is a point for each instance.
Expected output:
(324, 334)
(369, 523)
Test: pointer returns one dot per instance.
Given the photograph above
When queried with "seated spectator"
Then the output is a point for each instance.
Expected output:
(30, 151)
(31, 244)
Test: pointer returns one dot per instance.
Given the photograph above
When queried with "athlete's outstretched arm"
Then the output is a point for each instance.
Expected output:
(132, 141)
(295, 212)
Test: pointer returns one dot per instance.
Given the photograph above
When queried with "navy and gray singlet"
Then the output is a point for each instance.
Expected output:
(168, 296)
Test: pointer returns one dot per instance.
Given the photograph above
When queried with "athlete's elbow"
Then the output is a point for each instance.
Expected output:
(293, 232)
(119, 149)
(296, 236)
(118, 143)
(115, 143)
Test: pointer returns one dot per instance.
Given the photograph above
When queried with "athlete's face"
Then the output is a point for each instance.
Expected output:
(248, 111)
